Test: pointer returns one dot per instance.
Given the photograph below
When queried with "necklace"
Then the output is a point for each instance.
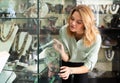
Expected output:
(4, 38)
(22, 7)
(114, 8)
(17, 46)
(104, 8)
(109, 54)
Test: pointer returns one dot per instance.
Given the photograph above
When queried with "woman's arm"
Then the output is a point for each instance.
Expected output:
(60, 48)
(66, 71)
(79, 70)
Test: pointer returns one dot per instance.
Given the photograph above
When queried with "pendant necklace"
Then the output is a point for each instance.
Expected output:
(17, 46)
(109, 54)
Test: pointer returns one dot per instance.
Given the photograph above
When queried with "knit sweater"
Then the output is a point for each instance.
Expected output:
(77, 51)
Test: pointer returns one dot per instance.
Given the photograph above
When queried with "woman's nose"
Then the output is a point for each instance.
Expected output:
(73, 22)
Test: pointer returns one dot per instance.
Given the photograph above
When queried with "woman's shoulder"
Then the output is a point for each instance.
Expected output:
(98, 37)
(64, 27)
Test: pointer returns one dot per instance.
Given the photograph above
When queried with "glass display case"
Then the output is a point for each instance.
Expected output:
(27, 28)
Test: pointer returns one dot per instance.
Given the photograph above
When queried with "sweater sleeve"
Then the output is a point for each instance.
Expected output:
(93, 54)
(63, 37)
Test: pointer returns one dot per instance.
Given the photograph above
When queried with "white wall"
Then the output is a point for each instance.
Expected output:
(95, 2)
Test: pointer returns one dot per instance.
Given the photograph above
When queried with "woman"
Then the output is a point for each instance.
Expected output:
(79, 45)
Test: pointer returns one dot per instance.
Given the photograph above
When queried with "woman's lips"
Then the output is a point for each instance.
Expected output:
(72, 27)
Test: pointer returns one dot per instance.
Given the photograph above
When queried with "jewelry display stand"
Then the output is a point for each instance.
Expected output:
(3, 59)
(5, 76)
(26, 29)
(6, 28)
(22, 43)
(8, 33)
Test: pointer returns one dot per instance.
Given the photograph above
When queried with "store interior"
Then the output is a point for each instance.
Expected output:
(27, 28)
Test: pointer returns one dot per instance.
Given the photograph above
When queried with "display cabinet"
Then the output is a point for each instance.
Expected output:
(27, 28)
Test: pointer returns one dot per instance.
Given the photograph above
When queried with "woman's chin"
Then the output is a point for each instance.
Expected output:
(72, 30)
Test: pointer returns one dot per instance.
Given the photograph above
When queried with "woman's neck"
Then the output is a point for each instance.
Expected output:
(78, 36)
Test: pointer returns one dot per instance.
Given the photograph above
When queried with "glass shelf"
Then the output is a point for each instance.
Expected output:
(25, 26)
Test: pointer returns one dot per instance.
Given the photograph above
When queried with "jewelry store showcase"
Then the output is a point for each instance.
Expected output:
(27, 30)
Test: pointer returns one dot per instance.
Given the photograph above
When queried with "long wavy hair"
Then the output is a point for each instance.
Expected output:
(88, 20)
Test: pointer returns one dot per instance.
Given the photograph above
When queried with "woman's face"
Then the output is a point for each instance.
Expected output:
(76, 24)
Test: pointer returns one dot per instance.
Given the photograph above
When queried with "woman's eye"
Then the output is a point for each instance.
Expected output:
(72, 18)
(79, 22)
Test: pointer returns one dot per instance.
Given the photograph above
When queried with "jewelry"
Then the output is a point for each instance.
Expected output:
(109, 54)
(104, 8)
(43, 9)
(31, 12)
(22, 7)
(114, 8)
(20, 49)
(4, 38)
(34, 45)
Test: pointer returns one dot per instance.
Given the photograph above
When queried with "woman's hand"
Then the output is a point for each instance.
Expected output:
(64, 72)
(58, 46)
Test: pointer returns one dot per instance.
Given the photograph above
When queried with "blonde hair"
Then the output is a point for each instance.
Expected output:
(88, 20)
